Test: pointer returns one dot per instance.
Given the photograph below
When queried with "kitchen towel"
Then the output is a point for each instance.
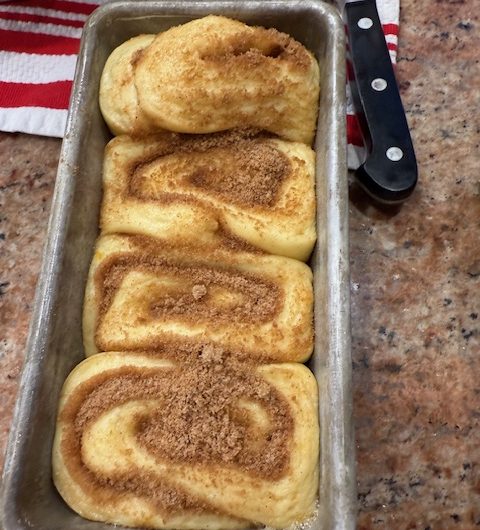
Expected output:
(39, 42)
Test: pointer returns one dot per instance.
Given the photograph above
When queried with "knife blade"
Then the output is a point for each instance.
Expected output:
(389, 173)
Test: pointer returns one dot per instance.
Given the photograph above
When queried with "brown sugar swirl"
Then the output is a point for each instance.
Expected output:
(142, 293)
(215, 73)
(211, 74)
(234, 168)
(198, 418)
(192, 296)
(183, 439)
(256, 187)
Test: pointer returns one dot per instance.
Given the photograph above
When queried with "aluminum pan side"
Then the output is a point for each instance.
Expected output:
(54, 346)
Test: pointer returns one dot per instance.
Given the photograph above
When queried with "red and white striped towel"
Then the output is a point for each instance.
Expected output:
(39, 42)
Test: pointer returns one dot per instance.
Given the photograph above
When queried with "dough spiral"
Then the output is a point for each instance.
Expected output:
(216, 73)
(210, 75)
(142, 293)
(147, 442)
(118, 96)
(257, 188)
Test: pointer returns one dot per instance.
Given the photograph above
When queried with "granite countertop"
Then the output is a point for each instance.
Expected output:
(415, 284)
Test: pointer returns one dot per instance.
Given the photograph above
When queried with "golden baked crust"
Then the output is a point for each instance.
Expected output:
(211, 444)
(118, 96)
(144, 293)
(257, 188)
(215, 73)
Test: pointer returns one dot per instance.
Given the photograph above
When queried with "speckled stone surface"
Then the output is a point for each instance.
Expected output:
(415, 277)
(28, 166)
(416, 293)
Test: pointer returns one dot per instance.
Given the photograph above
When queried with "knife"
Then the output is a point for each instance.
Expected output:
(389, 173)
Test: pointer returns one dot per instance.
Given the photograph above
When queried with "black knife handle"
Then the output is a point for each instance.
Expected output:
(390, 170)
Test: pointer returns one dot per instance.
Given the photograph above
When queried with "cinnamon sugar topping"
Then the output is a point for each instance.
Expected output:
(205, 416)
(237, 165)
(250, 174)
(258, 299)
(242, 50)
(199, 291)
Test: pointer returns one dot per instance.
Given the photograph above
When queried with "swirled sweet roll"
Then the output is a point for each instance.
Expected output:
(257, 188)
(142, 293)
(215, 73)
(210, 444)
(118, 96)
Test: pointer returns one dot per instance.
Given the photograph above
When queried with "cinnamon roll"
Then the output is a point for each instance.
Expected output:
(118, 96)
(258, 188)
(148, 442)
(216, 73)
(143, 293)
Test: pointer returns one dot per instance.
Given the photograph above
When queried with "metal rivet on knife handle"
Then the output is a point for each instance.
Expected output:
(394, 154)
(379, 84)
(365, 23)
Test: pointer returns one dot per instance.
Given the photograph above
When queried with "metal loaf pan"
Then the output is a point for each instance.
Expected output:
(29, 499)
